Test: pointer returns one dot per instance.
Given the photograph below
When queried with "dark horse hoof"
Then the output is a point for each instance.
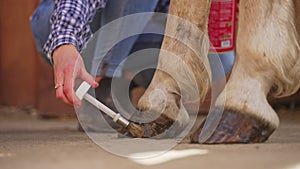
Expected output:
(235, 127)
(161, 127)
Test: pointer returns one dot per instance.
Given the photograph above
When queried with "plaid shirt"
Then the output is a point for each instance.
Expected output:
(69, 22)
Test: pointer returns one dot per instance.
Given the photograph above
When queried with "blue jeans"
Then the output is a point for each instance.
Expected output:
(115, 9)
(40, 25)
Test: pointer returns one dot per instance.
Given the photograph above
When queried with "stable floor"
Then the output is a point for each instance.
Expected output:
(27, 142)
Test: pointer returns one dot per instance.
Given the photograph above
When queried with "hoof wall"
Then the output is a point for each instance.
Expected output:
(162, 127)
(236, 128)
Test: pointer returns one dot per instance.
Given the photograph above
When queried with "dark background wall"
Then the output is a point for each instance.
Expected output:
(25, 79)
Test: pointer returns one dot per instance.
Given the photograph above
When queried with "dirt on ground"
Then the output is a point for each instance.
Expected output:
(28, 142)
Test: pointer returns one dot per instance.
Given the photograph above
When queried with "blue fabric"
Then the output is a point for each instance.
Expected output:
(221, 64)
(115, 9)
(40, 25)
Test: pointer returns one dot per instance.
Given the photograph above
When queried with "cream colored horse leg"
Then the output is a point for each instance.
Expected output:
(267, 57)
(163, 97)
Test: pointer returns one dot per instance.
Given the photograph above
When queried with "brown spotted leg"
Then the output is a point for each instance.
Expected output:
(163, 97)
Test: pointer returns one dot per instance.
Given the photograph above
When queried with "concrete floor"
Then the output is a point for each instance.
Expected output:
(27, 142)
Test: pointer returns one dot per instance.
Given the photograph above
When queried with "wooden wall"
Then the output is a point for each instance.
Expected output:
(25, 79)
(18, 56)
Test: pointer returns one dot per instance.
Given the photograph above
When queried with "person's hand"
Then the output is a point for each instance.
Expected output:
(68, 65)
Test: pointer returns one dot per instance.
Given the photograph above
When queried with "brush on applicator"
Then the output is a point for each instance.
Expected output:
(134, 129)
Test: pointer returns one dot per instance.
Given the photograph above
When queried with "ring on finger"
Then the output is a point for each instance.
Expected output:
(58, 85)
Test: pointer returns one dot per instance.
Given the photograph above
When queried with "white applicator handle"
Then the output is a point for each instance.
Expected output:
(81, 93)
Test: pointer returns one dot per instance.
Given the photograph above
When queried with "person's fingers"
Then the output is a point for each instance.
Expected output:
(99, 78)
(59, 79)
(77, 101)
(68, 66)
(68, 88)
(84, 75)
(61, 96)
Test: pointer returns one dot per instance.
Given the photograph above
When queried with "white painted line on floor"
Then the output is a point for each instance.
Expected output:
(295, 167)
(165, 157)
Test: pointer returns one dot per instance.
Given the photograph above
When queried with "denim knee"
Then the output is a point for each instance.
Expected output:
(40, 24)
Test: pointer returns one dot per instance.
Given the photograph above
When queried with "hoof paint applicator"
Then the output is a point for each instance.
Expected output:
(134, 129)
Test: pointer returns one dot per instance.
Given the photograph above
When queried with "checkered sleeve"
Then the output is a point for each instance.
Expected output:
(70, 23)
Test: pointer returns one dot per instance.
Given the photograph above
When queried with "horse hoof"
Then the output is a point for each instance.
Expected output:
(157, 128)
(236, 127)
(162, 127)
